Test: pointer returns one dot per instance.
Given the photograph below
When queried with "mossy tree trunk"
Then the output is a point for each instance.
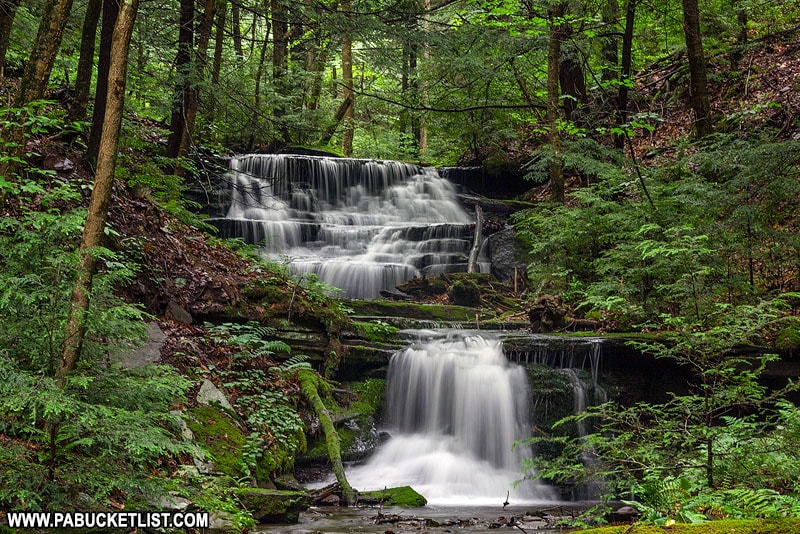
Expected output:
(309, 384)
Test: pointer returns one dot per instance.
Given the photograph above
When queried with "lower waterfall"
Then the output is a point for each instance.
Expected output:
(456, 407)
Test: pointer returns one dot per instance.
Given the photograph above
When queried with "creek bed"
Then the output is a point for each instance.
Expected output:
(534, 517)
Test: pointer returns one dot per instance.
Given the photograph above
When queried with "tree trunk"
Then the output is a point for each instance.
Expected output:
(280, 39)
(192, 91)
(348, 94)
(697, 69)
(573, 84)
(83, 79)
(341, 111)
(8, 9)
(33, 85)
(236, 29)
(556, 166)
(183, 62)
(222, 12)
(101, 193)
(625, 70)
(610, 50)
(110, 12)
(472, 264)
(309, 383)
(317, 59)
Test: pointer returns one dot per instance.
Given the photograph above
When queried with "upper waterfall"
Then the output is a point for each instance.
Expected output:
(361, 225)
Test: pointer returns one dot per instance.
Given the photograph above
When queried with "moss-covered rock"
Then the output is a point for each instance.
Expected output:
(465, 293)
(404, 496)
(274, 506)
(221, 435)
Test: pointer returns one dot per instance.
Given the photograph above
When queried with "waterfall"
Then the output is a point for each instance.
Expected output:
(363, 226)
(456, 407)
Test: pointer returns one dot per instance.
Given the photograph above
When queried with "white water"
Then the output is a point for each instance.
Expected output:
(456, 407)
(361, 225)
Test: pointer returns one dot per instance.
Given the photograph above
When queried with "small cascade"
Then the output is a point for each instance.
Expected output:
(363, 226)
(456, 407)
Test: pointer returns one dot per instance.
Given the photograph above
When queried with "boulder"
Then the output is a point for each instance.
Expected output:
(404, 496)
(210, 395)
(274, 506)
(503, 254)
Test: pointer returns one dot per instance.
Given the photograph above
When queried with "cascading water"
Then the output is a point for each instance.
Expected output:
(456, 407)
(363, 226)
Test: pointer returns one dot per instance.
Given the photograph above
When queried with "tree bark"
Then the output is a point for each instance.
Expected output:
(193, 91)
(110, 12)
(610, 48)
(83, 79)
(8, 9)
(183, 62)
(101, 193)
(625, 70)
(347, 93)
(236, 30)
(222, 12)
(472, 264)
(556, 166)
(697, 69)
(35, 78)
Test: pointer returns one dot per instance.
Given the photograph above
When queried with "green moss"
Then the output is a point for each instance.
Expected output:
(773, 526)
(273, 506)
(219, 433)
(789, 337)
(404, 496)
(465, 293)
(376, 331)
(371, 393)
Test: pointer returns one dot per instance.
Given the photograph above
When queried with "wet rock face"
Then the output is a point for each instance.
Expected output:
(503, 252)
(547, 314)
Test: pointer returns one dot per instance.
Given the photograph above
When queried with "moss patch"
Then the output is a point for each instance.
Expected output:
(404, 496)
(219, 433)
(789, 337)
(775, 526)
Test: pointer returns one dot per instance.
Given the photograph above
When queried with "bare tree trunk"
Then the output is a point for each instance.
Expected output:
(183, 61)
(697, 69)
(8, 9)
(610, 50)
(193, 92)
(83, 79)
(36, 77)
(556, 166)
(472, 264)
(101, 193)
(625, 69)
(236, 29)
(222, 12)
(110, 12)
(348, 94)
